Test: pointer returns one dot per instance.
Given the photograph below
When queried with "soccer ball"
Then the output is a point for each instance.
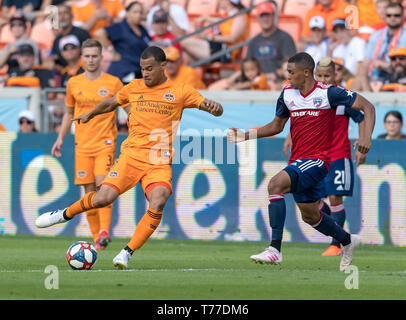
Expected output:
(81, 255)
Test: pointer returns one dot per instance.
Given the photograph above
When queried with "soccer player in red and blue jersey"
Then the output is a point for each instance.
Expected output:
(311, 107)
(340, 178)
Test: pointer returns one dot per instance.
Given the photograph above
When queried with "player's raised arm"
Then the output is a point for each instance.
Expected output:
(212, 107)
(107, 105)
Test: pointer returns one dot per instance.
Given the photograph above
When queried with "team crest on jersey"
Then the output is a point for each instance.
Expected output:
(103, 92)
(169, 97)
(113, 174)
(317, 102)
(81, 174)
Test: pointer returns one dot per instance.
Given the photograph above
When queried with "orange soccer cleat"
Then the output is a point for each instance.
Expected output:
(104, 238)
(332, 250)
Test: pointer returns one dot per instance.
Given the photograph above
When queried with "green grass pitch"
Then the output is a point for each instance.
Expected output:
(198, 270)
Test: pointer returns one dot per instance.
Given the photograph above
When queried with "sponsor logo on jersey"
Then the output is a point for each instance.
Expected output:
(81, 174)
(103, 92)
(141, 97)
(305, 113)
(169, 97)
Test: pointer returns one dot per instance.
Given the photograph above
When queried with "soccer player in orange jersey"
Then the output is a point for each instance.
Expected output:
(157, 104)
(95, 141)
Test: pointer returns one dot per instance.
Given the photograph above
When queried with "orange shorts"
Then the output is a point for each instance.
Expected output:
(88, 167)
(127, 172)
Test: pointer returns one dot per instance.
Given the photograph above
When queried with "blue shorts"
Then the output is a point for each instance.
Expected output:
(340, 178)
(307, 179)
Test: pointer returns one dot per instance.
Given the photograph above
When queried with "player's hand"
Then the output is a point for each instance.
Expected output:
(235, 135)
(213, 107)
(287, 145)
(363, 145)
(56, 148)
(359, 158)
(84, 118)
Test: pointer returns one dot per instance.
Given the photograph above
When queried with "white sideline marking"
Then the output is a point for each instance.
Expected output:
(115, 270)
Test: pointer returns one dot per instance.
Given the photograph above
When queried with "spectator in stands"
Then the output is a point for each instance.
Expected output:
(162, 37)
(383, 41)
(370, 12)
(250, 77)
(92, 15)
(226, 34)
(179, 72)
(348, 47)
(329, 10)
(126, 40)
(177, 17)
(18, 28)
(380, 6)
(26, 74)
(393, 123)
(56, 61)
(70, 49)
(395, 78)
(27, 121)
(343, 76)
(26, 6)
(319, 45)
(272, 45)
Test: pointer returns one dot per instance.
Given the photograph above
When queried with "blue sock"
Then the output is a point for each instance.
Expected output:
(277, 215)
(338, 214)
(329, 227)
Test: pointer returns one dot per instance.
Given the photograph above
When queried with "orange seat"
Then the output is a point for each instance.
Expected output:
(42, 35)
(298, 7)
(292, 25)
(202, 7)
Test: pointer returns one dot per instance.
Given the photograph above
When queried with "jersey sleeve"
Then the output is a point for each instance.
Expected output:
(282, 110)
(356, 115)
(69, 99)
(339, 96)
(123, 94)
(191, 97)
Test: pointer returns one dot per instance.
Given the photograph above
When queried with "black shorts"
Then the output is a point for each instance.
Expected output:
(216, 47)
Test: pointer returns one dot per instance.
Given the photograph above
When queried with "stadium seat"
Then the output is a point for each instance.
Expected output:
(42, 35)
(202, 7)
(292, 25)
(298, 7)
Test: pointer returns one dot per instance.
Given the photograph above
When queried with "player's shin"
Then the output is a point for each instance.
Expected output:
(277, 216)
(82, 205)
(327, 226)
(145, 228)
(93, 220)
(338, 214)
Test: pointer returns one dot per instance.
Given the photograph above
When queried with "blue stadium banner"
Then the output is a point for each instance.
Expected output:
(219, 191)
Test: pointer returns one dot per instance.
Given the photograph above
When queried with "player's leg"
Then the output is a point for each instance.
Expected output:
(92, 216)
(327, 226)
(157, 185)
(277, 187)
(338, 214)
(103, 164)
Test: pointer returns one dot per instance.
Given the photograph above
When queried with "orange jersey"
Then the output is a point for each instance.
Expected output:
(84, 95)
(154, 117)
(83, 10)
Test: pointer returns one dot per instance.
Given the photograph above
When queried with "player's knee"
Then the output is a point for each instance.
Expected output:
(274, 187)
(310, 218)
(103, 199)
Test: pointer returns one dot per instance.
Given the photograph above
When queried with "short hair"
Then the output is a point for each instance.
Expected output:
(132, 4)
(303, 60)
(154, 52)
(395, 5)
(395, 114)
(326, 62)
(91, 43)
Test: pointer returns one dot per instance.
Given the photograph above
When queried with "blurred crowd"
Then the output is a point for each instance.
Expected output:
(40, 43)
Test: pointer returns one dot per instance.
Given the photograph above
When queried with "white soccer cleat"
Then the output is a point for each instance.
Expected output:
(348, 250)
(269, 256)
(120, 261)
(50, 218)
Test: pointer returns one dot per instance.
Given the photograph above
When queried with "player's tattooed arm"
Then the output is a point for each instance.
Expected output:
(107, 105)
